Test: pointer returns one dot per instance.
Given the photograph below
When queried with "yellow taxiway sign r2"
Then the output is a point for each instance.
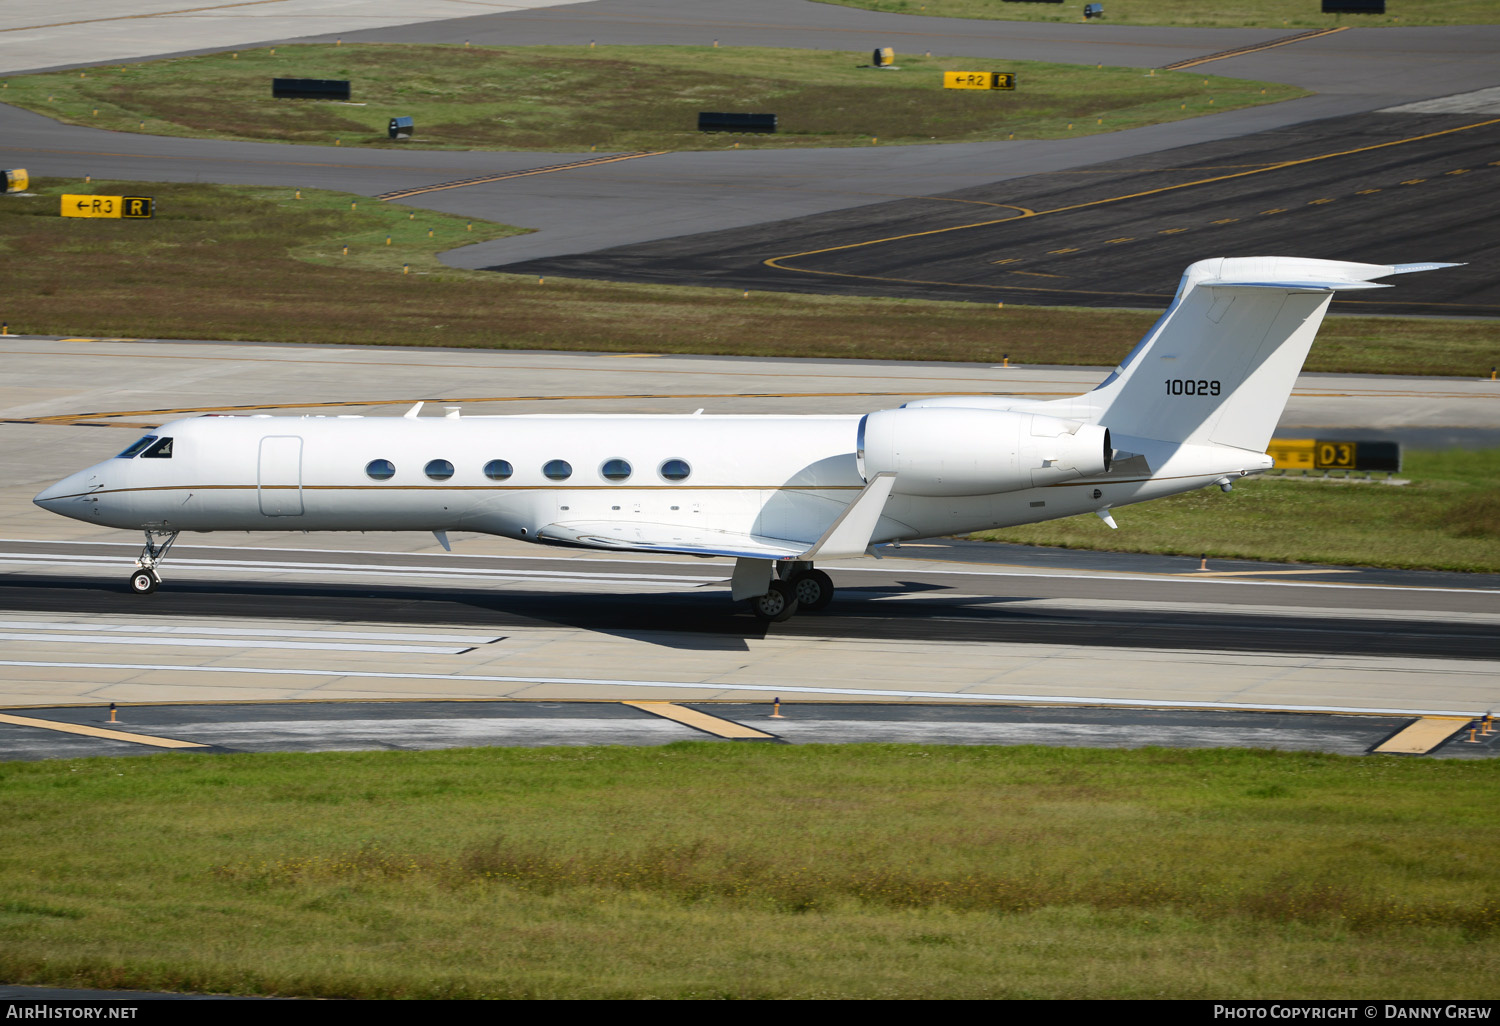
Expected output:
(979, 80)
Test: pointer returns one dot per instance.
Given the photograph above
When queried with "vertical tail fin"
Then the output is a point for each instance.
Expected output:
(1219, 365)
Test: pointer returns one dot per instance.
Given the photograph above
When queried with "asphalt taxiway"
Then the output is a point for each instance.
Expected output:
(1376, 188)
(586, 206)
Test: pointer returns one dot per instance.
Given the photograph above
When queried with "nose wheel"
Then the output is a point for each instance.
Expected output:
(145, 580)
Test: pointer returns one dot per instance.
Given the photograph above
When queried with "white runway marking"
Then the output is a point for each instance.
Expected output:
(248, 632)
(785, 689)
(311, 646)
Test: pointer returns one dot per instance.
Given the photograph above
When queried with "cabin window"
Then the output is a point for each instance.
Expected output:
(380, 470)
(498, 470)
(615, 470)
(675, 470)
(161, 449)
(136, 447)
(558, 470)
(438, 470)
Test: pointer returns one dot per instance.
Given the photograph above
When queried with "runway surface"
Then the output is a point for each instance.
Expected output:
(392, 618)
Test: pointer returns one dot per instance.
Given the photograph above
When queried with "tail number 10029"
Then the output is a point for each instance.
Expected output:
(1187, 386)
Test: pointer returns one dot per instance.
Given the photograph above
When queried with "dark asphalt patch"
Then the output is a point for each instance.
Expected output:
(1351, 189)
(365, 726)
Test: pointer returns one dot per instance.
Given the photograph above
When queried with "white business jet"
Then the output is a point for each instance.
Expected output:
(1193, 404)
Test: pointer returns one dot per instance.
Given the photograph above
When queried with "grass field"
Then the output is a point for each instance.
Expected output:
(733, 870)
(1448, 518)
(616, 98)
(1294, 14)
(257, 264)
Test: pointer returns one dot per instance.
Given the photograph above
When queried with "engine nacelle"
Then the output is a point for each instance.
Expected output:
(955, 451)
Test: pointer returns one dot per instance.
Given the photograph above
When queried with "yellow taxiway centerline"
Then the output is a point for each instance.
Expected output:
(702, 721)
(111, 735)
(776, 262)
(1300, 37)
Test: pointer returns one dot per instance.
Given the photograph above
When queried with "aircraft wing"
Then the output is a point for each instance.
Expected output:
(848, 536)
(638, 537)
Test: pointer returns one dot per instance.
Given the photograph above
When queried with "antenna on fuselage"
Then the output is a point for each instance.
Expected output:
(414, 410)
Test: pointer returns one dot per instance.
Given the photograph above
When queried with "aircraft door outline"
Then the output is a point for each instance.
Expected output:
(279, 481)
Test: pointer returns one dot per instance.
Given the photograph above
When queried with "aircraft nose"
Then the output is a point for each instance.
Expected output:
(70, 496)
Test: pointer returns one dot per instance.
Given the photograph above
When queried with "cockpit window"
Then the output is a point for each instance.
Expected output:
(136, 447)
(162, 450)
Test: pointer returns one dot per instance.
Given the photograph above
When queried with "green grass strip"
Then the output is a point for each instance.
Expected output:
(258, 264)
(721, 870)
(616, 98)
(1447, 518)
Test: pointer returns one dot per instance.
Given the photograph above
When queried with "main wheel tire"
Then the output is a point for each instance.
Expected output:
(776, 605)
(144, 582)
(814, 590)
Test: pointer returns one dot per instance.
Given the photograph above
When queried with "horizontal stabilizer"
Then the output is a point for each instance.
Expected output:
(1295, 286)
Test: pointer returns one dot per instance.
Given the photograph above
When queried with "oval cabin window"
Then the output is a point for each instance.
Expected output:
(675, 470)
(615, 470)
(558, 470)
(380, 470)
(438, 470)
(498, 470)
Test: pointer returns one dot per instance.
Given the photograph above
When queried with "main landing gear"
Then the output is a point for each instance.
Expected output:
(145, 580)
(800, 589)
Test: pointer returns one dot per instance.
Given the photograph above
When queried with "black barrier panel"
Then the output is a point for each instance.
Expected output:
(721, 122)
(401, 128)
(1093, 10)
(1353, 6)
(1334, 455)
(309, 89)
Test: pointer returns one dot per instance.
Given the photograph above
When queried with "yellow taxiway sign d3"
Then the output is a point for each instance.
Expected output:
(108, 206)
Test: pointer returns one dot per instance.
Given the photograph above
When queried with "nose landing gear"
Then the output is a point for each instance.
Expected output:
(145, 580)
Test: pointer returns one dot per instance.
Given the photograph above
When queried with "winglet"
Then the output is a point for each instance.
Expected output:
(850, 534)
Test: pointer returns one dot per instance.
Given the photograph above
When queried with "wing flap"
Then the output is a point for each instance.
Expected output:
(690, 541)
